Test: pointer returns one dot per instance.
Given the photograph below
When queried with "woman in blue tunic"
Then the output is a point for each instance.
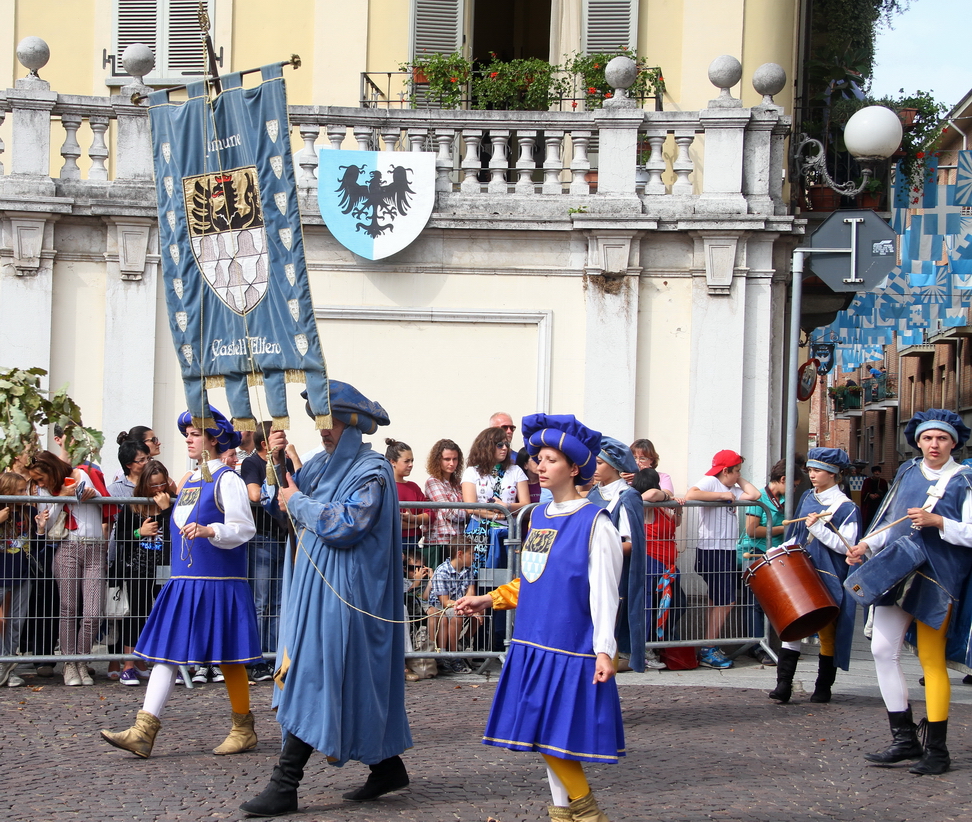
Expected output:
(557, 694)
(933, 494)
(205, 614)
(831, 523)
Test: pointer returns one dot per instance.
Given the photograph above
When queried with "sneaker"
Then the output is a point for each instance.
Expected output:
(85, 673)
(179, 680)
(762, 657)
(129, 677)
(459, 666)
(713, 658)
(44, 669)
(260, 672)
(14, 681)
(216, 674)
(70, 673)
(652, 660)
(201, 677)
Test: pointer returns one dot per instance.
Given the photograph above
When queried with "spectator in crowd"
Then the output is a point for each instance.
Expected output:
(627, 513)
(452, 580)
(492, 476)
(557, 693)
(229, 459)
(414, 520)
(933, 495)
(663, 584)
(715, 559)
(444, 467)
(831, 523)
(503, 420)
(79, 561)
(247, 447)
(265, 552)
(753, 541)
(142, 434)
(417, 576)
(143, 544)
(873, 491)
(19, 526)
(345, 699)
(133, 456)
(801, 482)
(645, 456)
(528, 466)
(204, 615)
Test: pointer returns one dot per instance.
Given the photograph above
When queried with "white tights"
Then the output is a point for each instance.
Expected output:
(159, 689)
(558, 792)
(890, 625)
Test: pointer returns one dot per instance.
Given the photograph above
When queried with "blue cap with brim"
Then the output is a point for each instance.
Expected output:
(353, 408)
(833, 460)
(940, 419)
(616, 454)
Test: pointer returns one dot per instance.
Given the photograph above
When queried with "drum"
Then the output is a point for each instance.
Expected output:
(787, 585)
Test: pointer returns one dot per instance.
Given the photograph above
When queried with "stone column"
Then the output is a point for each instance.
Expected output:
(133, 153)
(724, 123)
(131, 295)
(610, 355)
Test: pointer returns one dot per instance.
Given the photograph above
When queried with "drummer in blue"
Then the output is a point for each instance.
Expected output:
(827, 524)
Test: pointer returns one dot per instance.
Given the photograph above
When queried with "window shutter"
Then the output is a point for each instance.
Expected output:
(438, 27)
(137, 22)
(610, 24)
(185, 52)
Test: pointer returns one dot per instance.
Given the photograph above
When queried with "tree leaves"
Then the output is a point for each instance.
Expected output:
(24, 407)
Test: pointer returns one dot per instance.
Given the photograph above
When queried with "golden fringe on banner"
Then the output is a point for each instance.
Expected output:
(280, 423)
(322, 421)
(244, 423)
(202, 423)
(254, 378)
(294, 375)
(214, 381)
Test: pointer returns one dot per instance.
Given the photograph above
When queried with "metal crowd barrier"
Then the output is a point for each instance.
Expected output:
(676, 611)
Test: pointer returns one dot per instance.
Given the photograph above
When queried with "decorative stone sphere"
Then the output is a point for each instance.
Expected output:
(33, 54)
(769, 79)
(138, 60)
(725, 71)
(621, 72)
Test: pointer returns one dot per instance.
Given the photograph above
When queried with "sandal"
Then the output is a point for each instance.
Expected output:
(114, 675)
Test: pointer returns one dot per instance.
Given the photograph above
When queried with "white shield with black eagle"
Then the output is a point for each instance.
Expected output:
(227, 235)
(536, 550)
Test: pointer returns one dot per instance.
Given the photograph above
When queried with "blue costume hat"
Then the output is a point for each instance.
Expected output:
(353, 408)
(217, 426)
(565, 433)
(940, 419)
(833, 460)
(616, 454)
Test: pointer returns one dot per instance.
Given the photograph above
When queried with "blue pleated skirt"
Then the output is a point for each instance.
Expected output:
(546, 701)
(202, 622)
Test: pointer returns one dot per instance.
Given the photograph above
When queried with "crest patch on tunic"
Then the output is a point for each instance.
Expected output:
(536, 549)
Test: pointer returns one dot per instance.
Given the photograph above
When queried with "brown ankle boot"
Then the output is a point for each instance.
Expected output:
(585, 809)
(138, 739)
(241, 737)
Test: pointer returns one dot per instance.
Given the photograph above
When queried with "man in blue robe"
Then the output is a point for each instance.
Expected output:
(341, 649)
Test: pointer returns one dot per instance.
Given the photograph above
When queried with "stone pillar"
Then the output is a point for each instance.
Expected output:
(617, 153)
(724, 123)
(610, 355)
(133, 153)
(30, 103)
(758, 168)
(131, 294)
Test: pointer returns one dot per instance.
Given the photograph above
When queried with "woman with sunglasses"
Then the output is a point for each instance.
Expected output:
(492, 476)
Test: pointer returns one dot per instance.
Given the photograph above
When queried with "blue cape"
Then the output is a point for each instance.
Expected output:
(344, 692)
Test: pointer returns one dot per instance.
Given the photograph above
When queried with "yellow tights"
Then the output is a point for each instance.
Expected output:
(931, 655)
(571, 774)
(828, 639)
(238, 687)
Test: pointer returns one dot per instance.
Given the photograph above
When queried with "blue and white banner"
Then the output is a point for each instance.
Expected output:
(236, 284)
(375, 203)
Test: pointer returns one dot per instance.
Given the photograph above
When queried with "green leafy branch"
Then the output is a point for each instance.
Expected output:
(24, 406)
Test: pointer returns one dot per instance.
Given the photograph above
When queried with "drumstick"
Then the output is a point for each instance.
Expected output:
(821, 515)
(891, 524)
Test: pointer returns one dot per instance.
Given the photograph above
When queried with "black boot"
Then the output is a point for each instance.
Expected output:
(785, 669)
(826, 674)
(936, 759)
(904, 740)
(387, 776)
(280, 796)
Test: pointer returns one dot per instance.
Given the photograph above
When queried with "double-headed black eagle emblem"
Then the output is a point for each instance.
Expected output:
(375, 201)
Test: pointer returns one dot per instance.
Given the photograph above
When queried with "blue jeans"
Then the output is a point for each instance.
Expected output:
(265, 558)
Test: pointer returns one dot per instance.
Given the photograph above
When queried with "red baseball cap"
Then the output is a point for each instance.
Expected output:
(723, 460)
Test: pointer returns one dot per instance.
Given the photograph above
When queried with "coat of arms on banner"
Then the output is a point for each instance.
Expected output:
(375, 203)
(227, 235)
(536, 549)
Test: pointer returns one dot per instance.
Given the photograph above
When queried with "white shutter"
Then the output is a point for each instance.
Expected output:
(610, 24)
(136, 22)
(437, 27)
(185, 50)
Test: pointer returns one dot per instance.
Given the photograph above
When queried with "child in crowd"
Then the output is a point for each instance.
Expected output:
(557, 694)
(452, 580)
(715, 559)
(831, 523)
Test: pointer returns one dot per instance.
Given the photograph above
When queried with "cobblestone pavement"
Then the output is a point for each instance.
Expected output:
(695, 752)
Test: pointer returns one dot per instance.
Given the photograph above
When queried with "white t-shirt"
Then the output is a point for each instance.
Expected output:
(485, 491)
(718, 527)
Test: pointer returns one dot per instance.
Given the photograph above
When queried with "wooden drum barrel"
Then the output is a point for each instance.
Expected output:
(787, 585)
